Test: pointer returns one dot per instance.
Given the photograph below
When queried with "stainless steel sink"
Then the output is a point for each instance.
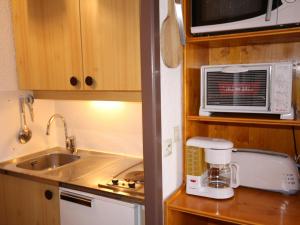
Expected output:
(49, 161)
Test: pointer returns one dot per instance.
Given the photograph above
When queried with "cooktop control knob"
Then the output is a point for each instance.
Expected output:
(131, 184)
(115, 181)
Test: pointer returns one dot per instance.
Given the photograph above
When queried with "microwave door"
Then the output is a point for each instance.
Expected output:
(226, 15)
(288, 12)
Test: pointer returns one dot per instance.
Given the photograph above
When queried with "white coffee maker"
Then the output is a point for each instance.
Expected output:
(217, 176)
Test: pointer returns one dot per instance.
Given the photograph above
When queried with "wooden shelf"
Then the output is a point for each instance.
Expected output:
(246, 38)
(248, 206)
(244, 120)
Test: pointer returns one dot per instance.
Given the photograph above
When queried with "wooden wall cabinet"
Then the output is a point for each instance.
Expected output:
(23, 202)
(94, 42)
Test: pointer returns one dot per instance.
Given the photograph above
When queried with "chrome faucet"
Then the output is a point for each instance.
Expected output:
(69, 140)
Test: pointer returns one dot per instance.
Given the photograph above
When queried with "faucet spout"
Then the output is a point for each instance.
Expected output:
(69, 141)
(50, 121)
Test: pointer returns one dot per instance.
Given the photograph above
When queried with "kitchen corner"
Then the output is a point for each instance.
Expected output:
(132, 112)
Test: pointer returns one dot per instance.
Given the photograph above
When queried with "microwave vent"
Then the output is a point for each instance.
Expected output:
(237, 89)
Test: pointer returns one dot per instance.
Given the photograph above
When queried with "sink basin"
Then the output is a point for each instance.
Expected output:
(49, 161)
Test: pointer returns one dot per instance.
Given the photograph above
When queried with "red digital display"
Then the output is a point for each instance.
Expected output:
(239, 88)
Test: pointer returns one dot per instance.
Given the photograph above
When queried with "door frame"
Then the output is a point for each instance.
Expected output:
(151, 107)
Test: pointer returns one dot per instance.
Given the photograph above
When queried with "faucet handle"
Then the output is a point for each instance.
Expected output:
(71, 144)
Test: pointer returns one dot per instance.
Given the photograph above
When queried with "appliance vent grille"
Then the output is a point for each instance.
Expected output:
(237, 89)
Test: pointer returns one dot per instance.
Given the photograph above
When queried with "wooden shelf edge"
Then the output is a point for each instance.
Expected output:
(169, 206)
(278, 35)
(241, 209)
(129, 96)
(207, 215)
(254, 121)
(173, 196)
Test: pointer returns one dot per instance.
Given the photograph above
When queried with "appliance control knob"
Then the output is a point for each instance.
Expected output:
(115, 181)
(131, 184)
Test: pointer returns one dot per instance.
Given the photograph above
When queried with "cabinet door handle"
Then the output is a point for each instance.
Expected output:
(89, 81)
(48, 194)
(77, 199)
(73, 81)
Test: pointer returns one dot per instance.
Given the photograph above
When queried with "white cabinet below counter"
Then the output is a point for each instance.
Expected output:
(80, 208)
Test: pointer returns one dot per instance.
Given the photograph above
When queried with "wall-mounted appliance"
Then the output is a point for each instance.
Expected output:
(247, 88)
(229, 15)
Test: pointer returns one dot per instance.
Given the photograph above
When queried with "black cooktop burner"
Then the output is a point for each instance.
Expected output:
(129, 181)
(136, 176)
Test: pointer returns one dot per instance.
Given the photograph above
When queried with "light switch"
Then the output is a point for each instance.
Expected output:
(167, 147)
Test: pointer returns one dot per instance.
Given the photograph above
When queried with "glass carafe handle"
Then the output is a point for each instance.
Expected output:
(235, 175)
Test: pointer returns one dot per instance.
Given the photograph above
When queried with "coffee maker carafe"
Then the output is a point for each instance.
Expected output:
(217, 176)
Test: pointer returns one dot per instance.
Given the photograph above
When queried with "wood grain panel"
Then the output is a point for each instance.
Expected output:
(246, 119)
(48, 43)
(181, 218)
(248, 206)
(111, 43)
(297, 143)
(279, 139)
(195, 56)
(130, 96)
(26, 204)
(255, 53)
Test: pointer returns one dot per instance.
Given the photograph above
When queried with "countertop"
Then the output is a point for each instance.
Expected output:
(248, 206)
(85, 174)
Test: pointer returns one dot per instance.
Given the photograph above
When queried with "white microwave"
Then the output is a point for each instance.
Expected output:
(210, 16)
(247, 88)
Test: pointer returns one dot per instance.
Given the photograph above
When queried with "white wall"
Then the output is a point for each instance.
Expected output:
(107, 126)
(171, 110)
(9, 94)
(112, 127)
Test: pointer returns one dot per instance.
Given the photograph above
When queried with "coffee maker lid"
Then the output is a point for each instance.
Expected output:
(211, 143)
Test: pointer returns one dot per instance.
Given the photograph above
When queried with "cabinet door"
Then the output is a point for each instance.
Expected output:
(48, 43)
(25, 202)
(111, 44)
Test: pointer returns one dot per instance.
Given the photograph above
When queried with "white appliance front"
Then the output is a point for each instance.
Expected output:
(80, 208)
